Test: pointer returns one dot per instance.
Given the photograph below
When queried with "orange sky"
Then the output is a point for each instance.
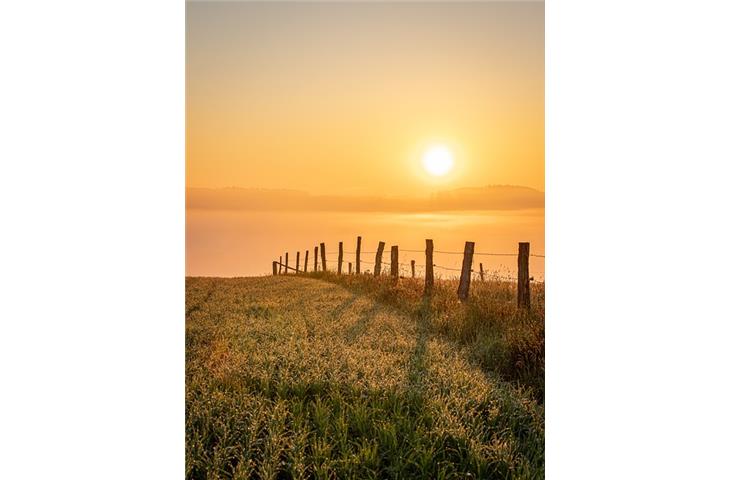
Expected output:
(343, 98)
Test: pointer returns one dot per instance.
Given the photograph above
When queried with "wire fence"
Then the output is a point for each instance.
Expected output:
(448, 253)
(466, 273)
(405, 271)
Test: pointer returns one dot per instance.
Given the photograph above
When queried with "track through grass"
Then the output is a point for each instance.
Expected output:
(293, 377)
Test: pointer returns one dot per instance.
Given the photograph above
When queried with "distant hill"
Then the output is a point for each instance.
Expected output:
(493, 197)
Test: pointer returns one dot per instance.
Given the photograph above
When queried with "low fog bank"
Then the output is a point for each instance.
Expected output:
(493, 197)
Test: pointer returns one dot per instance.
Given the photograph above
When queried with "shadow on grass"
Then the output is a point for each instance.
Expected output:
(419, 360)
(360, 327)
(496, 336)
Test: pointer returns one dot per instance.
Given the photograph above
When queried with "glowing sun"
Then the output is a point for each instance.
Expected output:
(438, 161)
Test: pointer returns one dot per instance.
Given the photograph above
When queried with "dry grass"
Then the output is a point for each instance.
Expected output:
(292, 377)
(496, 334)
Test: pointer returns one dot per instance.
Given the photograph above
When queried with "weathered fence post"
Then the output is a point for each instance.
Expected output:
(413, 269)
(465, 280)
(357, 256)
(316, 253)
(394, 262)
(523, 275)
(297, 270)
(279, 264)
(349, 268)
(481, 271)
(378, 258)
(339, 260)
(306, 260)
(286, 263)
(429, 267)
(324, 258)
(273, 266)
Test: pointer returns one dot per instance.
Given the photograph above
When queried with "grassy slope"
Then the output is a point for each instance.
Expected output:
(495, 334)
(294, 377)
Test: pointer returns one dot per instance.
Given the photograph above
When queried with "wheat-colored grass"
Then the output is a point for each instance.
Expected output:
(296, 377)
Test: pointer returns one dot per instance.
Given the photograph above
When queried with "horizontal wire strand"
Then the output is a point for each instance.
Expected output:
(493, 254)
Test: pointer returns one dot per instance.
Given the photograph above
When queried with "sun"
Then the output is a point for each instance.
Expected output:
(437, 161)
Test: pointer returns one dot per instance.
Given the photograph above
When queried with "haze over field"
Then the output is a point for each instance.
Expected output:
(320, 121)
(239, 242)
(499, 197)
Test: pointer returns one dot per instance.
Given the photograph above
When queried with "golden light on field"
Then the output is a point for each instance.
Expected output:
(438, 161)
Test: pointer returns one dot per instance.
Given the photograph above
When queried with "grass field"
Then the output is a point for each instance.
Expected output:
(354, 377)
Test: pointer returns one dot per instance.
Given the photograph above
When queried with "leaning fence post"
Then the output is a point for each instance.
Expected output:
(465, 280)
(413, 269)
(394, 262)
(306, 260)
(297, 269)
(349, 268)
(273, 267)
(378, 258)
(324, 258)
(429, 267)
(523, 275)
(316, 253)
(286, 263)
(339, 260)
(279, 264)
(357, 255)
(481, 271)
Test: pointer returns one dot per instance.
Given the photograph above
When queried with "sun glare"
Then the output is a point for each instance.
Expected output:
(438, 161)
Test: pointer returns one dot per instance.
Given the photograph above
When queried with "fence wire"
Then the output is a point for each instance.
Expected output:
(492, 254)
(405, 269)
(405, 272)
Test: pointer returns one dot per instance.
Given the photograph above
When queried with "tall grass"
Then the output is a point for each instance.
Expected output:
(291, 377)
(499, 336)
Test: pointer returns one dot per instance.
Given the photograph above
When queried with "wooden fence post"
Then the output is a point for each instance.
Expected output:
(349, 268)
(481, 271)
(339, 260)
(523, 275)
(413, 269)
(297, 270)
(324, 258)
(306, 260)
(316, 253)
(357, 256)
(378, 258)
(465, 280)
(273, 266)
(286, 263)
(279, 264)
(429, 267)
(394, 262)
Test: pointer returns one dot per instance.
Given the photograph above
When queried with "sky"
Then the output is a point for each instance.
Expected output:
(311, 122)
(345, 98)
